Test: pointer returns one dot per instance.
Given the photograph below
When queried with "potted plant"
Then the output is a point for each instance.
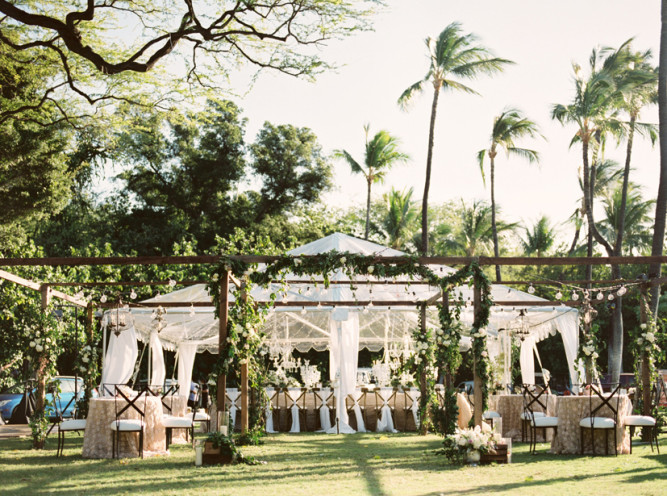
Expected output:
(218, 449)
(468, 445)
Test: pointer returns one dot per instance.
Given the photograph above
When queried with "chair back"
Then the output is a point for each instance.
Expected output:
(166, 395)
(609, 400)
(533, 399)
(123, 400)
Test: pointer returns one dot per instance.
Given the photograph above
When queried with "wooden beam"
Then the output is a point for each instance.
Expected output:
(36, 286)
(211, 259)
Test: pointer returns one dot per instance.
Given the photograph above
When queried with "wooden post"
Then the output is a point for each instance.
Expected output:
(449, 374)
(223, 315)
(477, 385)
(423, 424)
(89, 330)
(244, 378)
(40, 400)
(646, 372)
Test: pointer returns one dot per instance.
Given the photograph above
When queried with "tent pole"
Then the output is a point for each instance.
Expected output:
(477, 384)
(223, 305)
(244, 378)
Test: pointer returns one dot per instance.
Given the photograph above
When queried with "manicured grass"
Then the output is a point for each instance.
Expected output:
(328, 465)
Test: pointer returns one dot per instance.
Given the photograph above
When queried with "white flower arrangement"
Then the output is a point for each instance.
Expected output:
(464, 441)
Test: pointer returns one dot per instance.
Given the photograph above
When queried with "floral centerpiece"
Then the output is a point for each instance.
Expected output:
(468, 444)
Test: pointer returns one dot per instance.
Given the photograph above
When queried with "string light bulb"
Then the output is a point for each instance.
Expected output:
(303, 310)
(103, 298)
(133, 294)
(192, 310)
(610, 296)
(559, 295)
(531, 288)
(600, 296)
(621, 291)
(171, 283)
(575, 295)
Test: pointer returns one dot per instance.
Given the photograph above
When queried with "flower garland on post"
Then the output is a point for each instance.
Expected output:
(646, 351)
(423, 361)
(589, 344)
(479, 334)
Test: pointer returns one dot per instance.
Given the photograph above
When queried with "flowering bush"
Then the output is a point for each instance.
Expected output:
(463, 441)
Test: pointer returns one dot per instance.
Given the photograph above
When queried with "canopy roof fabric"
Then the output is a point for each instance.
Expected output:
(305, 328)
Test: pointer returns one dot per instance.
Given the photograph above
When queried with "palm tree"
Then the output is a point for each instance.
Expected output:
(539, 238)
(507, 127)
(474, 235)
(634, 217)
(381, 154)
(401, 220)
(452, 56)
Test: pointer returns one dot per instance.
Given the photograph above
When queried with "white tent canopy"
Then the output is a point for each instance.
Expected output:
(304, 328)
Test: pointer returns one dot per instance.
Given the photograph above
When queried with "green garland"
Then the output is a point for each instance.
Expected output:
(440, 347)
(423, 361)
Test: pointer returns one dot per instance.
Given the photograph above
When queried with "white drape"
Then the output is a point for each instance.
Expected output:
(568, 325)
(186, 359)
(159, 372)
(343, 358)
(527, 361)
(268, 411)
(120, 357)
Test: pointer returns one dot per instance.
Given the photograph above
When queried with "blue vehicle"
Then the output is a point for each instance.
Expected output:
(11, 398)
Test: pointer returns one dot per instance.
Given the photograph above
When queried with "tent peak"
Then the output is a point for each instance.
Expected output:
(344, 243)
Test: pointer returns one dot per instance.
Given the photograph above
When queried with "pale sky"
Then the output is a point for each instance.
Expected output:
(543, 38)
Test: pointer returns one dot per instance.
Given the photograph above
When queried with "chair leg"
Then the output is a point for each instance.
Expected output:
(655, 437)
(632, 433)
(615, 442)
(141, 443)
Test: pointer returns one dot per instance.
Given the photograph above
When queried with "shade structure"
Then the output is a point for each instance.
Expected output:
(303, 327)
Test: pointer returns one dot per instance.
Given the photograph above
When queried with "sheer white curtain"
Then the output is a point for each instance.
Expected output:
(343, 358)
(568, 325)
(186, 359)
(159, 372)
(120, 357)
(527, 361)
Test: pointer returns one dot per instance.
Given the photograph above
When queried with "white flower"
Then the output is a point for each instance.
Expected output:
(482, 333)
(485, 354)
(297, 261)
(461, 441)
(640, 340)
(85, 359)
(642, 326)
(650, 337)
(343, 260)
(48, 340)
(39, 348)
(215, 277)
(594, 355)
(371, 269)
(32, 344)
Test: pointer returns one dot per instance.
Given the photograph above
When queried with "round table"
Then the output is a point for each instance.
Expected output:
(98, 441)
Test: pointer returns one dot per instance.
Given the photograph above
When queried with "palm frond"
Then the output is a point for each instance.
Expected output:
(480, 160)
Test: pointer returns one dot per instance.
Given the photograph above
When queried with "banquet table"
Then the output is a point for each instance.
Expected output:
(98, 441)
(571, 409)
(510, 408)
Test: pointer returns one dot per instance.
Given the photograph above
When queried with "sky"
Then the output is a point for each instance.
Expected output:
(542, 38)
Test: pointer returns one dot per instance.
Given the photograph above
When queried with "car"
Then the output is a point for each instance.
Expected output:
(466, 387)
(11, 397)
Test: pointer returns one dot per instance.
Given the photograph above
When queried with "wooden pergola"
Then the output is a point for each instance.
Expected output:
(47, 290)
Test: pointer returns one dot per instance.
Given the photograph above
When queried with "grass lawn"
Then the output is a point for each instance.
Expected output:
(328, 465)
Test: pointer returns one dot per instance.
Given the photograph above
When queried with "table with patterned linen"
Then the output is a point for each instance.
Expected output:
(571, 409)
(98, 441)
(510, 408)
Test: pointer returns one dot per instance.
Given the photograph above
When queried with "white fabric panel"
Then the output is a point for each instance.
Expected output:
(233, 395)
(293, 395)
(159, 371)
(120, 357)
(186, 359)
(568, 325)
(527, 361)
(356, 395)
(385, 421)
(344, 354)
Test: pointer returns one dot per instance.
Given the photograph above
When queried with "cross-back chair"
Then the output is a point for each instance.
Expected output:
(65, 425)
(647, 423)
(535, 401)
(124, 401)
(595, 420)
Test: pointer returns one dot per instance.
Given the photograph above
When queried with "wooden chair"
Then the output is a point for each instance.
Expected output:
(646, 421)
(325, 397)
(532, 401)
(595, 421)
(68, 425)
(123, 402)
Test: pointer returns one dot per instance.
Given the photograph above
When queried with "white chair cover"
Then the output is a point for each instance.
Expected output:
(356, 395)
(325, 411)
(233, 394)
(414, 394)
(269, 412)
(385, 422)
(293, 394)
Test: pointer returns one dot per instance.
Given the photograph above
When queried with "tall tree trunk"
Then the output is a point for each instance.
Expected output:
(661, 202)
(429, 160)
(615, 360)
(587, 207)
(368, 208)
(494, 229)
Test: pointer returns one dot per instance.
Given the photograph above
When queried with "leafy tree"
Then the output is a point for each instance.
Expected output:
(452, 56)
(402, 217)
(539, 238)
(507, 127)
(293, 171)
(380, 155)
(209, 40)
